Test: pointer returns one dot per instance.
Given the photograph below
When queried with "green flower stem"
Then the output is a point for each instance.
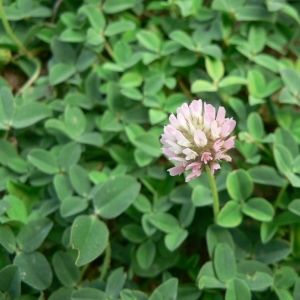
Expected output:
(109, 49)
(106, 263)
(212, 182)
(7, 133)
(280, 195)
(184, 89)
(9, 30)
(33, 78)
(295, 239)
(55, 9)
(259, 145)
(83, 270)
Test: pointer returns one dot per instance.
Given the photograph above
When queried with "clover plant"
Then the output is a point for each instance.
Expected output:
(88, 209)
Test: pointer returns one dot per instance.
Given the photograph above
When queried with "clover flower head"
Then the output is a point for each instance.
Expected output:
(198, 136)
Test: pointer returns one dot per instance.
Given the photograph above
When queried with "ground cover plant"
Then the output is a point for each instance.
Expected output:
(88, 209)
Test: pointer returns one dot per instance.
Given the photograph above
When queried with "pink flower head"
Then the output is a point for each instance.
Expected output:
(197, 137)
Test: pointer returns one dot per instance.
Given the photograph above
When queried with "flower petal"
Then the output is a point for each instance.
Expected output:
(178, 158)
(174, 147)
(173, 120)
(192, 175)
(214, 166)
(227, 127)
(231, 125)
(215, 130)
(195, 165)
(228, 144)
(221, 115)
(190, 154)
(185, 111)
(200, 138)
(209, 112)
(182, 140)
(182, 121)
(196, 108)
(176, 170)
(217, 145)
(206, 156)
(168, 152)
(169, 129)
(226, 157)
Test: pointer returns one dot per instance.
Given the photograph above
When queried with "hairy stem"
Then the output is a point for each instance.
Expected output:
(214, 191)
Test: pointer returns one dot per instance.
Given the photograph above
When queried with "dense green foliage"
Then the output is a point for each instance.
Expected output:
(88, 210)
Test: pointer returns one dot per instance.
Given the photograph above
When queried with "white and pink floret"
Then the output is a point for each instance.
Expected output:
(198, 136)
